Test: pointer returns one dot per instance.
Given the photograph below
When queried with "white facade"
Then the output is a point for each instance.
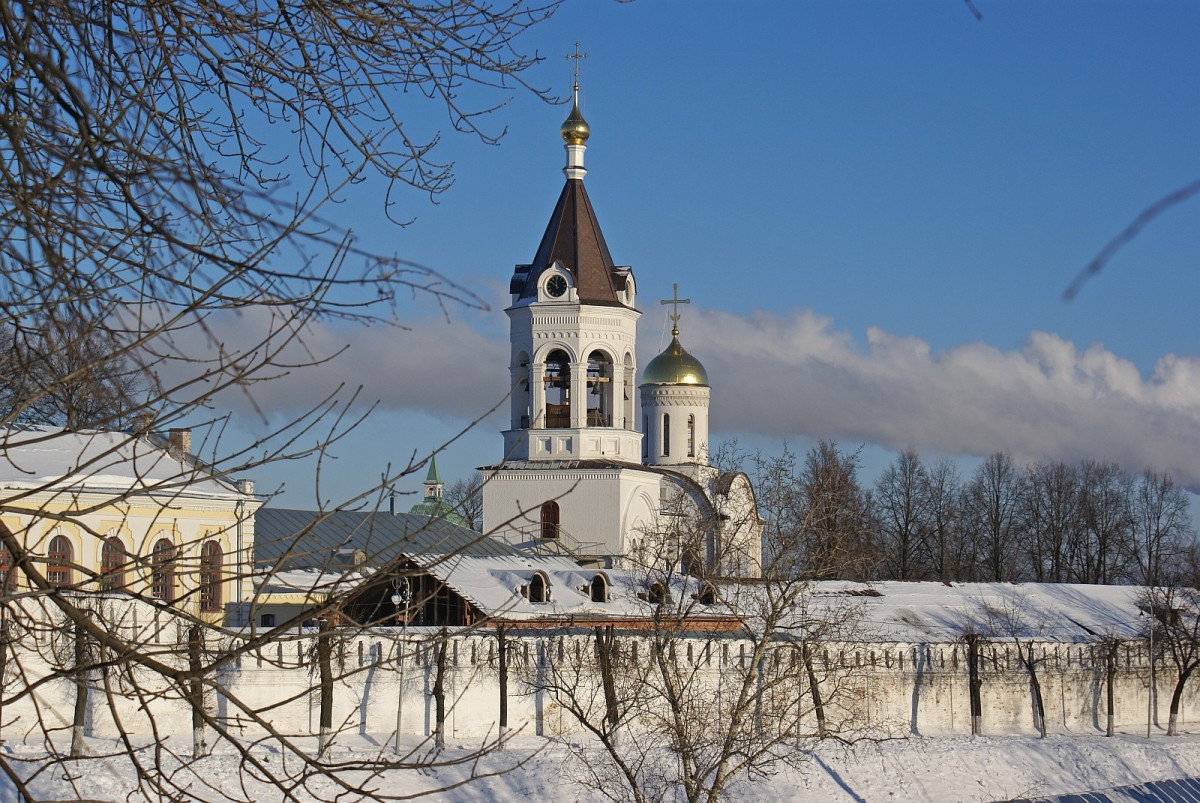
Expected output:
(577, 469)
(593, 511)
(573, 369)
(675, 418)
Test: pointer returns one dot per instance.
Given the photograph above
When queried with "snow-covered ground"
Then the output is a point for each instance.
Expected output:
(535, 769)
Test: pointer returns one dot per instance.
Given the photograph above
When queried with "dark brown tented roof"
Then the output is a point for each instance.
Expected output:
(573, 238)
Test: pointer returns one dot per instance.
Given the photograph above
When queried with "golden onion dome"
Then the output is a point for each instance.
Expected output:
(675, 367)
(575, 130)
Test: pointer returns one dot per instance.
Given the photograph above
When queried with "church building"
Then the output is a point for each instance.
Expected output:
(585, 472)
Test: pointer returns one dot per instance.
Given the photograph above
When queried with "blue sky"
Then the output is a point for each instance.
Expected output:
(875, 208)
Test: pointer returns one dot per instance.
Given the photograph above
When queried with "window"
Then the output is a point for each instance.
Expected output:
(539, 589)
(666, 435)
(58, 562)
(8, 577)
(691, 436)
(210, 576)
(656, 594)
(599, 589)
(645, 440)
(112, 564)
(558, 390)
(550, 527)
(162, 575)
(266, 620)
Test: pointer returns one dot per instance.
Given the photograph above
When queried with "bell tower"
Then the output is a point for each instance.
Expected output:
(573, 327)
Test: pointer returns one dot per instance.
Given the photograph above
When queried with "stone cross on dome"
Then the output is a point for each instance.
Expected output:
(675, 301)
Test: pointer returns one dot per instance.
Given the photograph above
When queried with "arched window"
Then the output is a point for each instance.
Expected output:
(58, 562)
(538, 588)
(666, 435)
(558, 390)
(656, 594)
(162, 575)
(691, 436)
(600, 390)
(211, 557)
(8, 577)
(520, 392)
(599, 589)
(112, 564)
(550, 520)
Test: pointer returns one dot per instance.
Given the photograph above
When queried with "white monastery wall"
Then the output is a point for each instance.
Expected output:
(880, 689)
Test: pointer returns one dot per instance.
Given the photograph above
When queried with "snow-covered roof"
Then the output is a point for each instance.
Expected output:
(36, 459)
(913, 612)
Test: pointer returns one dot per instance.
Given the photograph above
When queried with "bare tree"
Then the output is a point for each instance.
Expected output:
(1107, 520)
(904, 518)
(1052, 521)
(1161, 527)
(722, 681)
(990, 502)
(1174, 621)
(941, 489)
(838, 530)
(465, 495)
(163, 168)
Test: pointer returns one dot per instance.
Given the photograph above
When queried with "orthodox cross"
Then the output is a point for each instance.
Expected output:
(675, 301)
(576, 57)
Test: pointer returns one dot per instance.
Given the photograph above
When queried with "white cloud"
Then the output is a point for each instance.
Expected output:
(787, 375)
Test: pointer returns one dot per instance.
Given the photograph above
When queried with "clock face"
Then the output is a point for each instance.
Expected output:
(556, 286)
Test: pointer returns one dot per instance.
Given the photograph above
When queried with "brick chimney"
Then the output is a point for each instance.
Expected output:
(181, 441)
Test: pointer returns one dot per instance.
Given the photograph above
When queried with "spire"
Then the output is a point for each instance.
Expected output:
(575, 130)
(433, 482)
(573, 238)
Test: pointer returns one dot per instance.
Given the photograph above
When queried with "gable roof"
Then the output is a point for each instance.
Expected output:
(574, 240)
(53, 459)
(308, 539)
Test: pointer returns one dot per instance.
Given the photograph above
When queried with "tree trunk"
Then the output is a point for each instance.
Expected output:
(439, 693)
(1110, 677)
(79, 721)
(815, 689)
(604, 659)
(3, 661)
(1176, 698)
(502, 639)
(975, 685)
(196, 688)
(1035, 684)
(325, 665)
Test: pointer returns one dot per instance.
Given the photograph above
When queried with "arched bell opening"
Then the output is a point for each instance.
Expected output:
(600, 390)
(627, 419)
(558, 390)
(520, 400)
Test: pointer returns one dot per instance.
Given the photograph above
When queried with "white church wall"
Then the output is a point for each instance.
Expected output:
(594, 505)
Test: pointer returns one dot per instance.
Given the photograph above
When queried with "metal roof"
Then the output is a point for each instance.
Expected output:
(299, 539)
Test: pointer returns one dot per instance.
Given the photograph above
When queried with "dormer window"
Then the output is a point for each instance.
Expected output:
(599, 588)
(539, 588)
(656, 594)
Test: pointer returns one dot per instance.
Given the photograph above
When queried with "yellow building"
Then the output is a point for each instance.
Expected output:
(123, 514)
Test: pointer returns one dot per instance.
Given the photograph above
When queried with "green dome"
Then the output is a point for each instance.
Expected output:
(675, 367)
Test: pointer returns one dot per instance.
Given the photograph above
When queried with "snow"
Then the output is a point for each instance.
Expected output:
(54, 459)
(533, 768)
